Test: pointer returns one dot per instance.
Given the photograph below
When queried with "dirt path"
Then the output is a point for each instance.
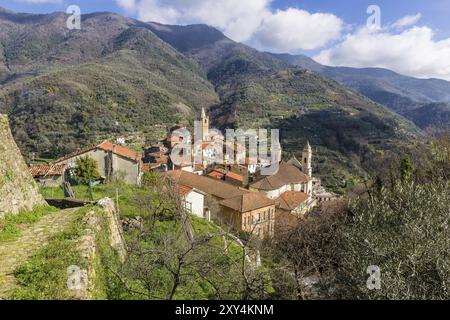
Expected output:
(16, 252)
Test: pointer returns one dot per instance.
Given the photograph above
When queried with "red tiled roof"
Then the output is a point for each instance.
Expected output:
(207, 185)
(183, 190)
(119, 150)
(219, 173)
(235, 176)
(106, 146)
(291, 200)
(40, 170)
(286, 174)
(216, 175)
(247, 202)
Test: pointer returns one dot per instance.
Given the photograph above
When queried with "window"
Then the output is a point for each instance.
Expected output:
(188, 206)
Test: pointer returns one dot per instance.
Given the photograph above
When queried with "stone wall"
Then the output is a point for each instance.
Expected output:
(98, 220)
(18, 191)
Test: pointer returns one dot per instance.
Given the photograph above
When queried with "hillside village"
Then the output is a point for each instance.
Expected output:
(236, 194)
(329, 180)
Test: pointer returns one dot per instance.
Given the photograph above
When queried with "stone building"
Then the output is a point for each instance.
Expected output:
(292, 206)
(48, 175)
(288, 178)
(112, 160)
(205, 125)
(243, 210)
(250, 212)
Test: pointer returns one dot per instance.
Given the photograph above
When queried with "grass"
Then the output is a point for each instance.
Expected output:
(192, 287)
(44, 276)
(11, 225)
(126, 195)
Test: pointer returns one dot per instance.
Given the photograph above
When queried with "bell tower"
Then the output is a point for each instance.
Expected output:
(307, 160)
(205, 125)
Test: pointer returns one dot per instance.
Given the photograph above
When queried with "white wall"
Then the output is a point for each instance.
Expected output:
(188, 169)
(197, 200)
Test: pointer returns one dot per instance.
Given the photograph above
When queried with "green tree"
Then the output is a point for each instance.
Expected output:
(402, 228)
(406, 169)
(86, 170)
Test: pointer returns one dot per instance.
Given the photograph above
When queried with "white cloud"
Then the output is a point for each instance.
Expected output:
(127, 4)
(407, 21)
(245, 20)
(297, 29)
(413, 52)
(238, 19)
(400, 46)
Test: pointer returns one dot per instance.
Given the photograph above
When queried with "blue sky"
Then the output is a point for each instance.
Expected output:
(414, 37)
(435, 13)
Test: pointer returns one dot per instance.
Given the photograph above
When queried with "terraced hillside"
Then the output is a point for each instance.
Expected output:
(63, 89)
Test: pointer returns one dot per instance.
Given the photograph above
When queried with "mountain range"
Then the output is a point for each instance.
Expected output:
(424, 101)
(64, 89)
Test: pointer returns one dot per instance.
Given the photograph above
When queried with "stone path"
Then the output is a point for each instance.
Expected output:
(16, 252)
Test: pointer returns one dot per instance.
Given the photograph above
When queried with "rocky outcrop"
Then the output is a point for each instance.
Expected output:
(18, 191)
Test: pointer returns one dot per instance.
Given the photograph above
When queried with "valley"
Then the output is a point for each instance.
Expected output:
(73, 89)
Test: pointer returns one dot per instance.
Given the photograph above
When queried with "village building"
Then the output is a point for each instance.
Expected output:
(112, 160)
(321, 195)
(228, 176)
(193, 201)
(288, 178)
(48, 175)
(156, 158)
(292, 206)
(250, 212)
(230, 204)
(176, 137)
(240, 190)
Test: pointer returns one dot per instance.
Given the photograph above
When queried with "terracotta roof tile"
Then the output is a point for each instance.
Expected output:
(183, 190)
(216, 175)
(286, 174)
(219, 173)
(106, 146)
(207, 185)
(235, 176)
(247, 202)
(40, 170)
(119, 150)
(291, 200)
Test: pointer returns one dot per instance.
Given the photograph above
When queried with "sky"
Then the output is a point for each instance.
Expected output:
(411, 37)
